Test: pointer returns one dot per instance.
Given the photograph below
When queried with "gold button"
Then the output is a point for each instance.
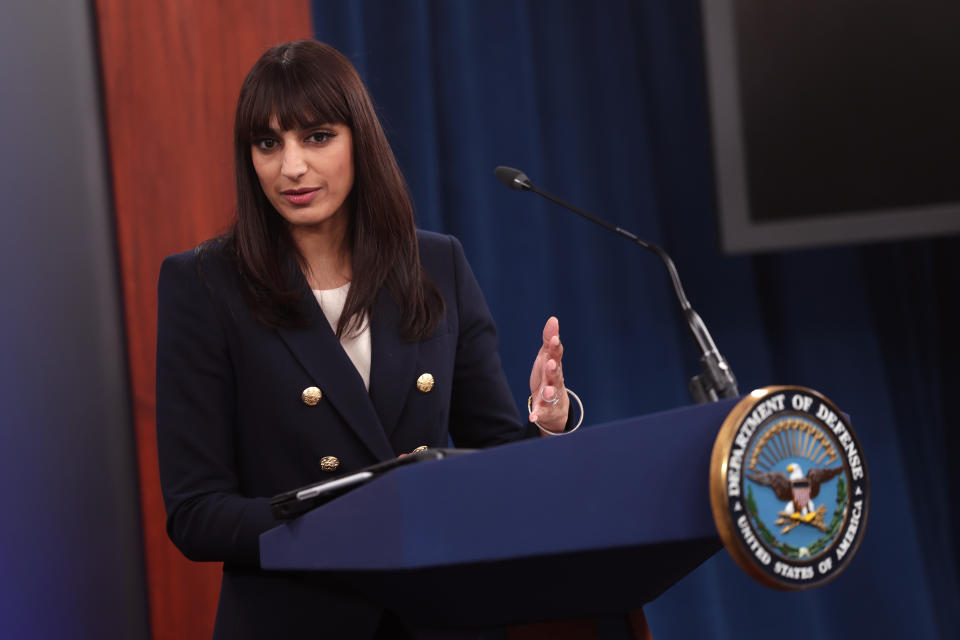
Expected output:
(425, 382)
(422, 447)
(329, 463)
(311, 396)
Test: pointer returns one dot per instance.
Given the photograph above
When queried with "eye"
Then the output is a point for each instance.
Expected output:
(320, 137)
(266, 144)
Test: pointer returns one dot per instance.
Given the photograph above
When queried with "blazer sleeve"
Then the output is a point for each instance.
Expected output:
(482, 409)
(207, 516)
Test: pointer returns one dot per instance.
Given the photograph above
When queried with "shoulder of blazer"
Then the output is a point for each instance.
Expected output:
(436, 247)
(441, 256)
(205, 277)
(209, 261)
(206, 265)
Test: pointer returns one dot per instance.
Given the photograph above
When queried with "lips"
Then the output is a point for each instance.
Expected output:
(300, 196)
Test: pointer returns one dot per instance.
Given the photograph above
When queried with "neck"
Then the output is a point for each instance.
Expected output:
(325, 253)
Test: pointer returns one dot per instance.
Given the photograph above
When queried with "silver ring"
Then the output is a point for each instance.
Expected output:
(556, 397)
(559, 433)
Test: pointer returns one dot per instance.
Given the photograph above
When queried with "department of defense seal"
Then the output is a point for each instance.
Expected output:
(789, 487)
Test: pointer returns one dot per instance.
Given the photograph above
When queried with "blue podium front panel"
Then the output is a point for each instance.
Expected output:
(615, 513)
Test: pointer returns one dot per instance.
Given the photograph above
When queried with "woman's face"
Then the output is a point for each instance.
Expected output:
(306, 173)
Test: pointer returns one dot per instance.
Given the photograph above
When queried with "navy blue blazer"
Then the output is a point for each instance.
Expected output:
(233, 429)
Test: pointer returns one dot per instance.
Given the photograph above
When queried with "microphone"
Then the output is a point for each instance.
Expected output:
(513, 178)
(716, 380)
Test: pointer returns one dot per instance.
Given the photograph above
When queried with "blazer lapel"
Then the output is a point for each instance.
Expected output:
(393, 362)
(319, 352)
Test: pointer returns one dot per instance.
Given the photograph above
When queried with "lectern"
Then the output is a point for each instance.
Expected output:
(594, 523)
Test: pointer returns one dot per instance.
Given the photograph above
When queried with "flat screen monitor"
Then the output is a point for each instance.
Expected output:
(834, 121)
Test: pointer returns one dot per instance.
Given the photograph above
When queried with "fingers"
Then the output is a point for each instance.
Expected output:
(550, 403)
(551, 329)
(552, 348)
(552, 376)
(551, 338)
(547, 368)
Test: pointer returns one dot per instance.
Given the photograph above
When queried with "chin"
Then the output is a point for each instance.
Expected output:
(306, 218)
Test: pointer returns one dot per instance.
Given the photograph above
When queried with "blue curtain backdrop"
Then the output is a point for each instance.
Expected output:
(604, 104)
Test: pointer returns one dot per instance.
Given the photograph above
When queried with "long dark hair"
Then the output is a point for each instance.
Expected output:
(301, 83)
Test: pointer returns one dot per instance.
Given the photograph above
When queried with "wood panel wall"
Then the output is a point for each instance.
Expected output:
(171, 73)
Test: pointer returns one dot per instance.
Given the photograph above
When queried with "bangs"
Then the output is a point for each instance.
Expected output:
(299, 97)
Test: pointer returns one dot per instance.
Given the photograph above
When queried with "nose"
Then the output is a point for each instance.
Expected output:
(293, 165)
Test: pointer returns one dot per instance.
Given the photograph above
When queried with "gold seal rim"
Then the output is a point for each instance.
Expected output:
(722, 518)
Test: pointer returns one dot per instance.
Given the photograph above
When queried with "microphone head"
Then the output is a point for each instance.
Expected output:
(513, 178)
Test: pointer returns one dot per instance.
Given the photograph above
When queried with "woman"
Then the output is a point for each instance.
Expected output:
(321, 334)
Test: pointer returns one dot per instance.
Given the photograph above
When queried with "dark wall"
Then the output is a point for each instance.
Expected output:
(70, 555)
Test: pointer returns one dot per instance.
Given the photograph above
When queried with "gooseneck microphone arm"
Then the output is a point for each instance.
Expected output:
(717, 379)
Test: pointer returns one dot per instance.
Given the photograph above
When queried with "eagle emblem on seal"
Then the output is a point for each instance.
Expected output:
(798, 490)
